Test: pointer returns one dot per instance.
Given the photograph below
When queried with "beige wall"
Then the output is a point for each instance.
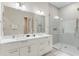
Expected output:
(34, 6)
(43, 6)
(14, 17)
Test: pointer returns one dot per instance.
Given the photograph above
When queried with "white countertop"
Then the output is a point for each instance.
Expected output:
(10, 40)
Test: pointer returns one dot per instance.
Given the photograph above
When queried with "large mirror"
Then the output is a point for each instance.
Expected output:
(40, 21)
(16, 22)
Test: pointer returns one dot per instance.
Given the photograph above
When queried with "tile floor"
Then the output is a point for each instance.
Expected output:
(61, 49)
(74, 51)
(57, 52)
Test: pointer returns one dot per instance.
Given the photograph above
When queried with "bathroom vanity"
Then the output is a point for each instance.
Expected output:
(16, 41)
(34, 45)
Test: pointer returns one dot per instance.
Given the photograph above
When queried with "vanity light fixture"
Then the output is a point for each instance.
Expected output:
(42, 13)
(39, 12)
(20, 6)
(17, 5)
(23, 7)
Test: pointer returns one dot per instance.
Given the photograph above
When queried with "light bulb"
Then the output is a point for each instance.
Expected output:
(23, 7)
(17, 4)
(37, 12)
(42, 13)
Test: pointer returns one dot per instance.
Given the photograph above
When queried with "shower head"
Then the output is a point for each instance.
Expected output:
(56, 17)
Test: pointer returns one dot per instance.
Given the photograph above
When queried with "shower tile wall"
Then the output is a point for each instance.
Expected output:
(65, 32)
(69, 14)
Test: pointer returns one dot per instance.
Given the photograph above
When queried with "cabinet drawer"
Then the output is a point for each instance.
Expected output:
(13, 52)
(10, 46)
(32, 42)
(28, 42)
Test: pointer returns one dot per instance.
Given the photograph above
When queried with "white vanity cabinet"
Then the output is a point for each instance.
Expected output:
(33, 50)
(45, 45)
(30, 47)
(23, 48)
(29, 51)
(9, 49)
(24, 51)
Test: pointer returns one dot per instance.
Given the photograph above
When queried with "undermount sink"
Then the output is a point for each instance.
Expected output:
(30, 35)
(27, 35)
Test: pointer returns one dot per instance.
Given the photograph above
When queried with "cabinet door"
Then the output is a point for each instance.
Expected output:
(45, 45)
(50, 42)
(33, 50)
(24, 51)
(43, 48)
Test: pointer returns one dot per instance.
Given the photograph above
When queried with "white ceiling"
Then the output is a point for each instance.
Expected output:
(60, 4)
